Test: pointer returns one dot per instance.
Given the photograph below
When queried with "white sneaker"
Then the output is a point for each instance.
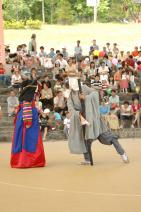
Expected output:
(132, 126)
(125, 158)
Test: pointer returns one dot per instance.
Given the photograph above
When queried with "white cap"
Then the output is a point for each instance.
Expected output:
(47, 110)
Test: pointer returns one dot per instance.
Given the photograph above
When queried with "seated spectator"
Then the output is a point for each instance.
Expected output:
(103, 71)
(136, 109)
(13, 102)
(38, 103)
(70, 68)
(46, 95)
(2, 74)
(55, 70)
(139, 69)
(2, 70)
(42, 55)
(59, 101)
(114, 102)
(67, 124)
(110, 119)
(48, 63)
(139, 57)
(125, 114)
(16, 78)
(58, 86)
(0, 113)
(52, 53)
(96, 83)
(43, 119)
(135, 96)
(63, 63)
(58, 118)
(92, 71)
(130, 61)
(104, 108)
(135, 53)
(111, 82)
(57, 114)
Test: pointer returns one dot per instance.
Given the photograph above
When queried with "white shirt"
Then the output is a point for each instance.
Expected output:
(63, 63)
(128, 110)
(67, 122)
(15, 78)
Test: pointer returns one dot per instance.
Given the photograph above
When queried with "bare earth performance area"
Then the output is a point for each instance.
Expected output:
(64, 186)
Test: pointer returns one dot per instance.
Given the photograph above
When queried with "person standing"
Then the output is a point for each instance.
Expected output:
(32, 49)
(78, 51)
(13, 102)
(27, 147)
(95, 128)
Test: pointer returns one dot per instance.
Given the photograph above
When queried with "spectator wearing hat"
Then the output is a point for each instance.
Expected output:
(44, 117)
(65, 53)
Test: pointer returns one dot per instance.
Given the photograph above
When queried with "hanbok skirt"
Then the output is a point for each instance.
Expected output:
(27, 146)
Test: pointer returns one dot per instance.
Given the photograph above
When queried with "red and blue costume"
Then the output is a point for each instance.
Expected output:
(27, 145)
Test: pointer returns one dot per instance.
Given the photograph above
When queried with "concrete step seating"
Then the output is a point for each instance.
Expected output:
(6, 124)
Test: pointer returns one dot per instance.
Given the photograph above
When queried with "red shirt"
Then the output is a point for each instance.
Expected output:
(2, 71)
(139, 67)
(135, 53)
(136, 107)
(130, 62)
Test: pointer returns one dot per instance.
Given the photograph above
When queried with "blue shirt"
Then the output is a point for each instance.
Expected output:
(57, 116)
(104, 109)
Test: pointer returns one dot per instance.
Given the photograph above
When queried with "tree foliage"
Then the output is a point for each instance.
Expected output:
(69, 11)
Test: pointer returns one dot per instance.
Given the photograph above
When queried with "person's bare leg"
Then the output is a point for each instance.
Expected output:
(45, 133)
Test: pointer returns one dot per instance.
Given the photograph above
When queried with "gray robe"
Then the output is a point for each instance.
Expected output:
(76, 139)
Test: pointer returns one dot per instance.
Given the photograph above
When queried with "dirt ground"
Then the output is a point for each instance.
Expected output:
(64, 186)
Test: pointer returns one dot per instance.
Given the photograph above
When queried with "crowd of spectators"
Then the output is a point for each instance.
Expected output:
(109, 70)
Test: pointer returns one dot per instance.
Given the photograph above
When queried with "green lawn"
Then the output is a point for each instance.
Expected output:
(126, 35)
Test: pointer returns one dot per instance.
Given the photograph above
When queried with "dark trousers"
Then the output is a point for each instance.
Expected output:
(107, 138)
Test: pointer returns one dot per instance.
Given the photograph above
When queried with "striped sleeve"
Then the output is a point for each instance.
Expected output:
(27, 113)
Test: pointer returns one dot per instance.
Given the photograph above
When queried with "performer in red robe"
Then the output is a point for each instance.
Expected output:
(27, 146)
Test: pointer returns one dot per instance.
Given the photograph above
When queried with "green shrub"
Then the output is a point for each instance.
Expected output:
(33, 24)
(14, 24)
(30, 24)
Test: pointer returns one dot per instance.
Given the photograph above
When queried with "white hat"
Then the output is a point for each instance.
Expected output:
(87, 59)
(47, 110)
